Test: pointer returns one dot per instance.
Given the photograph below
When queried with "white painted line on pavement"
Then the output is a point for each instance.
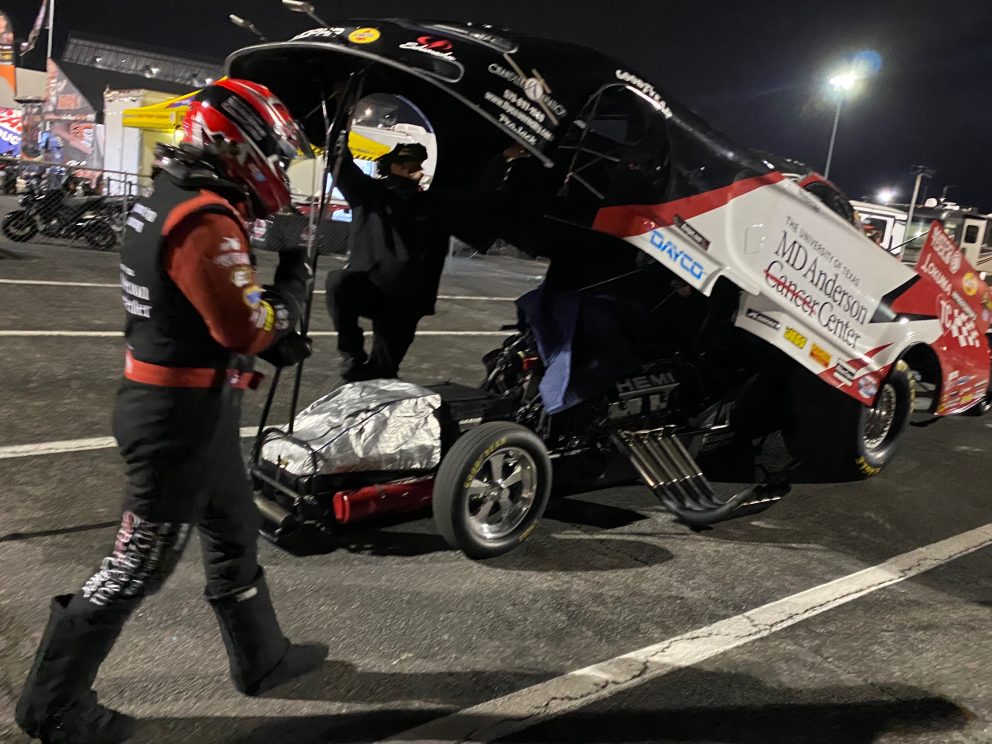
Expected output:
(531, 706)
(62, 446)
(119, 334)
(110, 285)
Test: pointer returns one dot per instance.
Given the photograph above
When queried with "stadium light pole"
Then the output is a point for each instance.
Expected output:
(842, 83)
(298, 6)
(247, 26)
(51, 25)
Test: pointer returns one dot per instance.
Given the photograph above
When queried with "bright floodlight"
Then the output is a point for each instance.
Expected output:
(885, 196)
(842, 81)
(298, 6)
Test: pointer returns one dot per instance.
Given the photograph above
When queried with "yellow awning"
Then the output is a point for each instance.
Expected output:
(364, 148)
(160, 117)
(167, 116)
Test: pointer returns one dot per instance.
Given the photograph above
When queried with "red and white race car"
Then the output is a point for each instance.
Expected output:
(700, 296)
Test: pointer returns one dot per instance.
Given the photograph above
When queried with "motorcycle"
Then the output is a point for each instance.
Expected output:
(56, 213)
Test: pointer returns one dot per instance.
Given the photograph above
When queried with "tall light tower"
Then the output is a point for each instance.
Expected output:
(842, 84)
(298, 6)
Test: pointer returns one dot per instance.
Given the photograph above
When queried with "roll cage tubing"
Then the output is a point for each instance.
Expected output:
(335, 142)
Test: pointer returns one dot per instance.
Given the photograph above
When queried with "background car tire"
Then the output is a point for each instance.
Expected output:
(19, 226)
(491, 489)
(838, 438)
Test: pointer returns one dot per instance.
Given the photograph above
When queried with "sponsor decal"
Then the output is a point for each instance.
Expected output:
(795, 338)
(970, 284)
(282, 318)
(944, 247)
(820, 355)
(645, 383)
(264, 316)
(252, 296)
(481, 460)
(232, 259)
(134, 296)
(148, 215)
(930, 268)
(230, 244)
(958, 324)
(532, 85)
(844, 372)
(692, 233)
(429, 45)
(504, 46)
(806, 274)
(868, 387)
(866, 468)
(763, 319)
(319, 33)
(241, 276)
(364, 35)
(676, 256)
(647, 89)
(520, 115)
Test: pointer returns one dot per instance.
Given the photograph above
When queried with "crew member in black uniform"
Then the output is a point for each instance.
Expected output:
(398, 244)
(195, 318)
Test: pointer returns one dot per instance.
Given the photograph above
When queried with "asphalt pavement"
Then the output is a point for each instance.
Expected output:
(848, 613)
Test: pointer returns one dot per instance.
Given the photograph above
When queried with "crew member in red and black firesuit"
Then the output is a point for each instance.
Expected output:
(195, 318)
(398, 244)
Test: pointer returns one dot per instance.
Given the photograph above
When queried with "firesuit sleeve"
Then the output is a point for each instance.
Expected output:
(207, 257)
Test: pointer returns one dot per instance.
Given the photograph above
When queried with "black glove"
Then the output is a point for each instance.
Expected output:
(288, 292)
(289, 350)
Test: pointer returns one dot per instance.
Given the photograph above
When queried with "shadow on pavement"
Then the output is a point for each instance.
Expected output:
(15, 536)
(829, 715)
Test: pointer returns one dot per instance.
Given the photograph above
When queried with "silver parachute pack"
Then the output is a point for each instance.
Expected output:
(378, 425)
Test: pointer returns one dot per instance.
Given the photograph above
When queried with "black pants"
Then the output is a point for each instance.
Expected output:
(350, 296)
(185, 471)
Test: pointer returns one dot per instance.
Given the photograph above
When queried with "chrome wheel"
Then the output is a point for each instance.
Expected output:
(881, 417)
(502, 493)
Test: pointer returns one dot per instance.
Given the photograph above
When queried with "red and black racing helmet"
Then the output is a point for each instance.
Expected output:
(253, 133)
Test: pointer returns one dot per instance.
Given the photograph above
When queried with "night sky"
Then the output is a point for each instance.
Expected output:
(757, 69)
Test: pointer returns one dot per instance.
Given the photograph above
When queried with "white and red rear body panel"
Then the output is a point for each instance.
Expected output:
(816, 288)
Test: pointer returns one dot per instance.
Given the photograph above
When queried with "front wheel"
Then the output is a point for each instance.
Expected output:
(491, 489)
(19, 226)
(837, 437)
(100, 236)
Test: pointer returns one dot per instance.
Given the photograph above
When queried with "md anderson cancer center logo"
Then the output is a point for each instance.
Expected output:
(820, 284)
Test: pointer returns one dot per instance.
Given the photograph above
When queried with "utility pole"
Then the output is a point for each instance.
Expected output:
(833, 137)
(921, 172)
(51, 25)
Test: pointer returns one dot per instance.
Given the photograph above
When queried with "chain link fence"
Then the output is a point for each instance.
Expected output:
(49, 203)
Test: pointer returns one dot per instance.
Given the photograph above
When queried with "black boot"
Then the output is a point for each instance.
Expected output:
(259, 654)
(57, 704)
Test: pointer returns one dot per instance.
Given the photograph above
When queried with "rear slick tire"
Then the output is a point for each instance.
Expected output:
(838, 438)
